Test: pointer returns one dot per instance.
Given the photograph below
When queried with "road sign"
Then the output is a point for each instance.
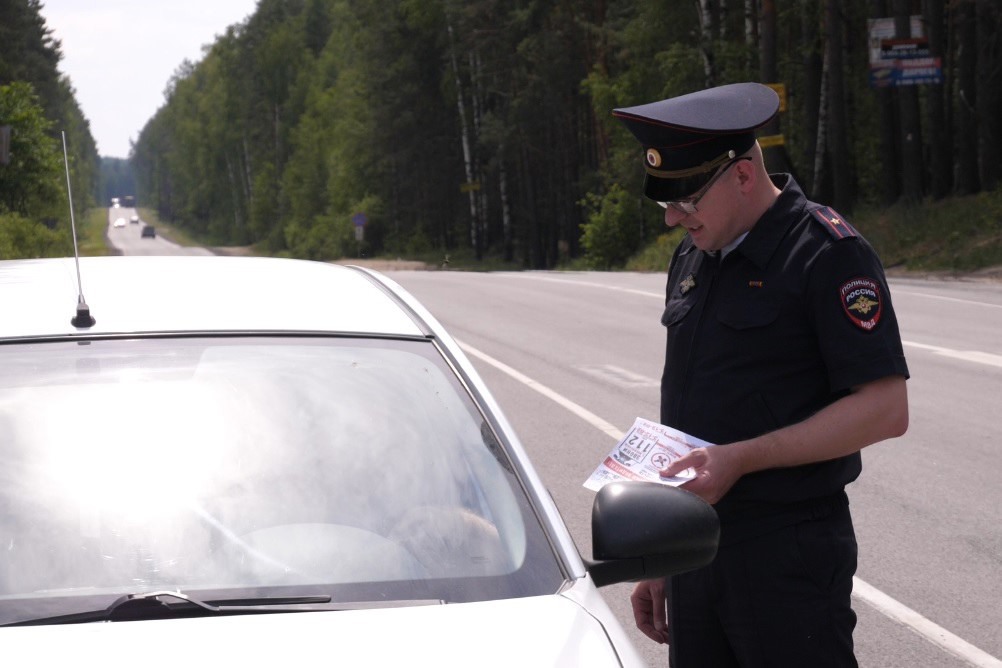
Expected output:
(771, 140)
(883, 29)
(908, 72)
(902, 49)
(780, 89)
(901, 61)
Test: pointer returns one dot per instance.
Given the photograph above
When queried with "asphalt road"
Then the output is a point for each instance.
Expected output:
(128, 239)
(927, 506)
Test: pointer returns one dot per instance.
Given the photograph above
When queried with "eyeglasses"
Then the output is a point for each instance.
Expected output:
(687, 205)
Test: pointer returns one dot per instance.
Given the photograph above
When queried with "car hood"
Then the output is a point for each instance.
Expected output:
(539, 631)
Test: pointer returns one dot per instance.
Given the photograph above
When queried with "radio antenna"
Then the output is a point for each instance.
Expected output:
(83, 318)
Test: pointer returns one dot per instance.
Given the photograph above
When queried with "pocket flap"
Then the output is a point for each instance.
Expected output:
(675, 311)
(748, 314)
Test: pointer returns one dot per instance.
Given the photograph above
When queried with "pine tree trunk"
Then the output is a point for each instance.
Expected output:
(467, 151)
(838, 137)
(989, 106)
(968, 181)
(775, 155)
(910, 126)
(506, 236)
(890, 184)
(940, 162)
(706, 42)
(812, 62)
(821, 143)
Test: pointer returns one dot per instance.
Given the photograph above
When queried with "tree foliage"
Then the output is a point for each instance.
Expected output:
(39, 106)
(24, 238)
(485, 125)
(116, 179)
(29, 182)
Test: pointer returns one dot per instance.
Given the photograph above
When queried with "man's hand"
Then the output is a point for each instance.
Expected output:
(649, 609)
(870, 413)
(717, 469)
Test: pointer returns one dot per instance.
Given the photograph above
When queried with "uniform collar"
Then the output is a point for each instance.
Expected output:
(731, 246)
(767, 233)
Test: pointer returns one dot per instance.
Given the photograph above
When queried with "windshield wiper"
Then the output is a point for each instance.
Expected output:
(151, 605)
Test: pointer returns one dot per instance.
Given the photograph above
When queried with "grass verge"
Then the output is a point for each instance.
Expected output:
(954, 235)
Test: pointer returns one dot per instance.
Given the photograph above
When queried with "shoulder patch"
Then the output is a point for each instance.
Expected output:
(836, 225)
(862, 302)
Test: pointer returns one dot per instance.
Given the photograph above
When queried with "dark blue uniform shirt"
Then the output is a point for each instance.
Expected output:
(782, 326)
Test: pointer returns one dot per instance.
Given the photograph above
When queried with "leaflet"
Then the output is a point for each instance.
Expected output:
(646, 449)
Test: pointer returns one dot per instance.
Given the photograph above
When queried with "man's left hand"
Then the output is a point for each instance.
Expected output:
(870, 413)
(717, 469)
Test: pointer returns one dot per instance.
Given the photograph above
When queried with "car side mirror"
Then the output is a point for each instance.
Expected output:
(644, 530)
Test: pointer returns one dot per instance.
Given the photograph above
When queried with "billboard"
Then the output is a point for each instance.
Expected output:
(901, 61)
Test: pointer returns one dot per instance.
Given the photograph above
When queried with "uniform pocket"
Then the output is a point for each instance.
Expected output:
(675, 311)
(827, 550)
(748, 314)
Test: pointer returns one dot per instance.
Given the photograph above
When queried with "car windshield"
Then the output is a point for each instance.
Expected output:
(240, 467)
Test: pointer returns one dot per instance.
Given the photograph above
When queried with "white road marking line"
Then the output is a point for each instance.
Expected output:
(589, 284)
(563, 401)
(660, 295)
(976, 356)
(937, 635)
(880, 601)
(618, 376)
(946, 299)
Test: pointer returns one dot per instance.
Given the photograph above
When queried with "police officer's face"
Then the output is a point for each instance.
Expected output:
(708, 218)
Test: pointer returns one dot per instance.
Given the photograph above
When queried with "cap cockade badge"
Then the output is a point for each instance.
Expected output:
(653, 157)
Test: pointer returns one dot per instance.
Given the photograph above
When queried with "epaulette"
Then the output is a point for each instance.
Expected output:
(836, 225)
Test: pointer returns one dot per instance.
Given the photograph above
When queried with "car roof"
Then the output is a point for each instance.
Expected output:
(155, 294)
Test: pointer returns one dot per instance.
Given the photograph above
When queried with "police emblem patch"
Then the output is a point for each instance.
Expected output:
(862, 302)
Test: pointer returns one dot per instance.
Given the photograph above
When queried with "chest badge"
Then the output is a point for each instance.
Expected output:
(687, 284)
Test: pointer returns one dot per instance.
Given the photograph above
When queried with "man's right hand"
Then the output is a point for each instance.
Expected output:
(649, 609)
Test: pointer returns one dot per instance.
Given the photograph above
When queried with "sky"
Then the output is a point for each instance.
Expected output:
(120, 54)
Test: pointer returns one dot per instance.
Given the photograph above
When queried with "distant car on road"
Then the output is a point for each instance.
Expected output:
(148, 231)
(119, 222)
(134, 218)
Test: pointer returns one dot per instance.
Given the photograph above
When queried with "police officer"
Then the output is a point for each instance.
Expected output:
(782, 349)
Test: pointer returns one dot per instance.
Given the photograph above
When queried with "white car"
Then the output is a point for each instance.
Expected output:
(264, 462)
(119, 222)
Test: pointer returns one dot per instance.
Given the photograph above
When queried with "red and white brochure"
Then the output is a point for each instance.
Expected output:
(643, 452)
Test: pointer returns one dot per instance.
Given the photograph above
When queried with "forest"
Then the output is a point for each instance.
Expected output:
(484, 127)
(38, 107)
